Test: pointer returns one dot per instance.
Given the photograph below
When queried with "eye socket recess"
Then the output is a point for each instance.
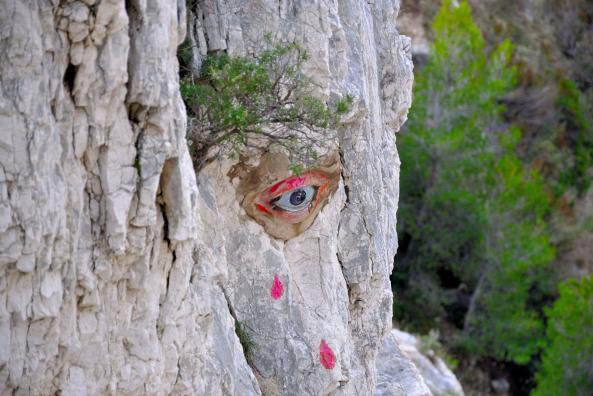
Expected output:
(295, 200)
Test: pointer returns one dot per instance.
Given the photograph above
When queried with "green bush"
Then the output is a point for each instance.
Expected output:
(258, 102)
(429, 345)
(470, 212)
(245, 340)
(578, 126)
(567, 364)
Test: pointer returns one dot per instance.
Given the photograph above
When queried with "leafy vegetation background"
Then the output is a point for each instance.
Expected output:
(485, 187)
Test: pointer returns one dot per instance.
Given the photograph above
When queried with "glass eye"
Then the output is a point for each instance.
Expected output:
(295, 200)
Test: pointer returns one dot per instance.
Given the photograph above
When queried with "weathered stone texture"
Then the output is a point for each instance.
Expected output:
(439, 379)
(397, 375)
(120, 269)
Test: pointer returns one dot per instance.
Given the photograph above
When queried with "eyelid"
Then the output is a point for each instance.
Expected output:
(286, 185)
(312, 178)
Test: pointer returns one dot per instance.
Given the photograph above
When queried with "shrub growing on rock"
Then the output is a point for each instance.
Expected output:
(258, 102)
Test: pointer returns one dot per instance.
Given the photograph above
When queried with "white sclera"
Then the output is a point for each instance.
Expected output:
(284, 201)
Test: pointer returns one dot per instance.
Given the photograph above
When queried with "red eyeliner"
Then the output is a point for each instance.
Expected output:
(287, 184)
(262, 208)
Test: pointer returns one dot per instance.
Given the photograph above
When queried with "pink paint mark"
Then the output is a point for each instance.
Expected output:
(277, 288)
(326, 355)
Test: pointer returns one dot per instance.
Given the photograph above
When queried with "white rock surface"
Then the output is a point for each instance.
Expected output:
(120, 270)
(396, 374)
(438, 377)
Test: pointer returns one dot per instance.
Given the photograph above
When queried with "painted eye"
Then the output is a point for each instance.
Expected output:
(295, 200)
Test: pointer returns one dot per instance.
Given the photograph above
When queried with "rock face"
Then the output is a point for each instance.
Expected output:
(397, 375)
(438, 377)
(121, 270)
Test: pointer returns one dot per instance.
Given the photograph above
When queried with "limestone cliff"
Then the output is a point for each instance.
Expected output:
(121, 270)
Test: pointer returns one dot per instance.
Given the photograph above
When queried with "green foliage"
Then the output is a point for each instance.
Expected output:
(567, 364)
(137, 165)
(296, 169)
(588, 223)
(554, 102)
(258, 102)
(430, 346)
(578, 125)
(470, 213)
(184, 54)
(503, 321)
(245, 340)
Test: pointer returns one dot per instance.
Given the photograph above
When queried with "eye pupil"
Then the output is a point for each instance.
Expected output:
(298, 197)
(295, 200)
